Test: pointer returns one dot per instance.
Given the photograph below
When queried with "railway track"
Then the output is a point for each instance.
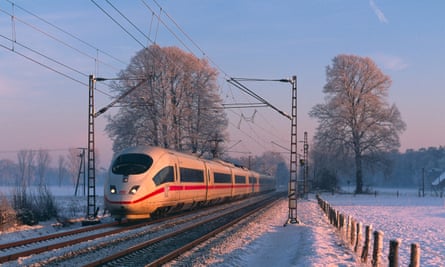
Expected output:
(160, 250)
(91, 243)
(24, 248)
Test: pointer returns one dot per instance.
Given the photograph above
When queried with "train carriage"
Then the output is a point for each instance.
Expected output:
(145, 180)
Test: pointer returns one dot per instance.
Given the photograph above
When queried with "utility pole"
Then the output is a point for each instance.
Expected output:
(92, 210)
(293, 184)
(91, 216)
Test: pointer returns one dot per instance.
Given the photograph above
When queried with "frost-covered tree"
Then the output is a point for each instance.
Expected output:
(356, 119)
(177, 106)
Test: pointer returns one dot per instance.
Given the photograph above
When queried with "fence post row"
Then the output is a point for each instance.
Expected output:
(351, 232)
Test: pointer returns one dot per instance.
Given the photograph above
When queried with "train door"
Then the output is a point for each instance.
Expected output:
(252, 183)
(207, 181)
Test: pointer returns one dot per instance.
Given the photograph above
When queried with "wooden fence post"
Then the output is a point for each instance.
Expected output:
(393, 256)
(359, 238)
(348, 228)
(343, 226)
(352, 239)
(336, 218)
(415, 255)
(367, 244)
(377, 250)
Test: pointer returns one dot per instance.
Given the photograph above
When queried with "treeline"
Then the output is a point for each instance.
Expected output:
(409, 168)
(37, 167)
(31, 170)
(395, 169)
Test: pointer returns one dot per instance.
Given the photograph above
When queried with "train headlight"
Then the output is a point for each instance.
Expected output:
(113, 189)
(134, 189)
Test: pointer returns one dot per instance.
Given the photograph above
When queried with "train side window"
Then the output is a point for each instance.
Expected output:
(222, 178)
(132, 163)
(191, 175)
(240, 179)
(164, 176)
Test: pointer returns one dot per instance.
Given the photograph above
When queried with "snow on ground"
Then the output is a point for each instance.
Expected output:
(264, 241)
(408, 217)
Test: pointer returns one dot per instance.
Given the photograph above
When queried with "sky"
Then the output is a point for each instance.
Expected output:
(48, 49)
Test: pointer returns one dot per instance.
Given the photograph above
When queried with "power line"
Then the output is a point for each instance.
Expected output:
(168, 28)
(40, 63)
(15, 43)
(128, 32)
(129, 21)
(120, 25)
(243, 105)
(64, 31)
(244, 88)
(195, 44)
(190, 39)
(36, 150)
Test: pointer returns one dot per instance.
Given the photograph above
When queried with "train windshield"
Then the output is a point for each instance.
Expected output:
(127, 164)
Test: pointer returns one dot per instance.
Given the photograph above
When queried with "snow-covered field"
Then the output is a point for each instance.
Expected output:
(405, 216)
(263, 241)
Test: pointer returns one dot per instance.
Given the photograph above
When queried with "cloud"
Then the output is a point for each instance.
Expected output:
(391, 62)
(378, 12)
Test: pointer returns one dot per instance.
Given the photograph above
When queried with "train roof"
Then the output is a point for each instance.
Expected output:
(159, 151)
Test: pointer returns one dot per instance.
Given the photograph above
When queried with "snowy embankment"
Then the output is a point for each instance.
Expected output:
(264, 241)
(403, 216)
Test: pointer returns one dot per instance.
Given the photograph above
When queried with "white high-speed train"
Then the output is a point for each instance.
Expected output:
(144, 181)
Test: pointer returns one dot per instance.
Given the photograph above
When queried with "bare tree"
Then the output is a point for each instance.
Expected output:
(73, 163)
(9, 172)
(356, 119)
(43, 161)
(177, 107)
(61, 170)
(25, 163)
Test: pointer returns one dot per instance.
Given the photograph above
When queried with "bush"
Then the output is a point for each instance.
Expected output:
(34, 207)
(7, 214)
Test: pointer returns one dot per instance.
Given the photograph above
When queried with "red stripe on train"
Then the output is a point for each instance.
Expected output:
(177, 188)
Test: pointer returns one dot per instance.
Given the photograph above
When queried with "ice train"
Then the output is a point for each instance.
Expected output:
(144, 181)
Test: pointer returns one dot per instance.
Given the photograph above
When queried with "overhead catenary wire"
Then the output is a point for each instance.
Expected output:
(134, 25)
(129, 21)
(161, 12)
(40, 63)
(65, 32)
(245, 89)
(168, 28)
(190, 39)
(37, 150)
(15, 44)
(120, 25)
(240, 86)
